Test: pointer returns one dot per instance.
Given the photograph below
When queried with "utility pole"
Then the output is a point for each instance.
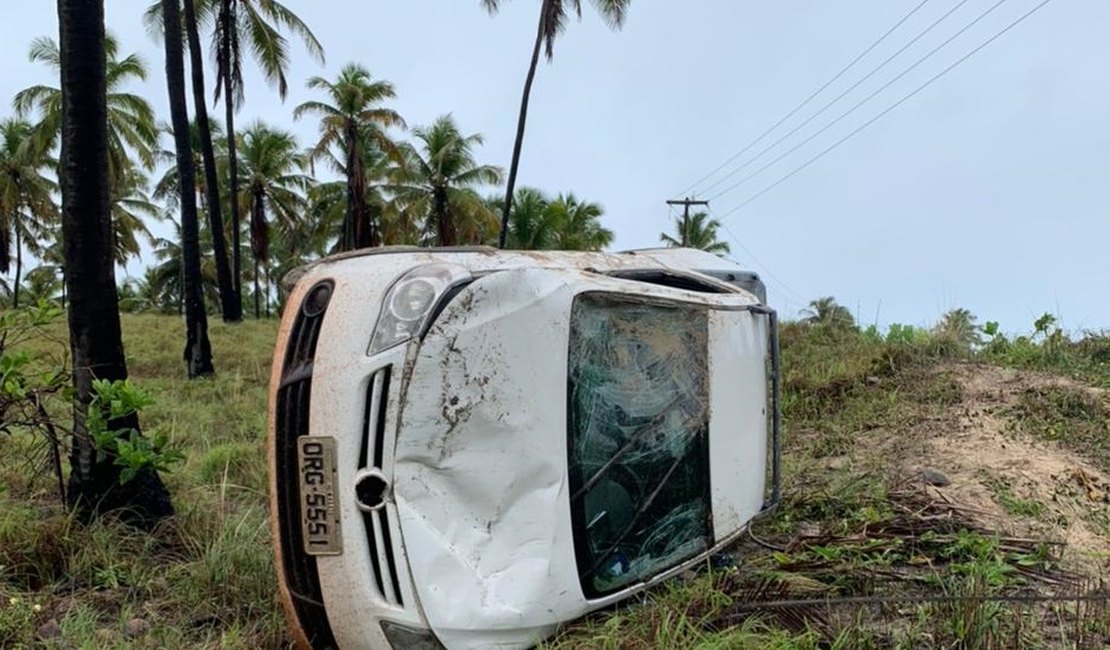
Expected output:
(687, 202)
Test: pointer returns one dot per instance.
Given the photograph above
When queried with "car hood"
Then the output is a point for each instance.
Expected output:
(480, 483)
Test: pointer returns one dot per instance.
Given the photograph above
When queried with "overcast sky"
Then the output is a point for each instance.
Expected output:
(989, 190)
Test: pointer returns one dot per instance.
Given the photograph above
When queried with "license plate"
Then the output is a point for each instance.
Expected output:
(319, 510)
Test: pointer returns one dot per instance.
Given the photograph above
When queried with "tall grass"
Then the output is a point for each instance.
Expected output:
(204, 579)
(840, 385)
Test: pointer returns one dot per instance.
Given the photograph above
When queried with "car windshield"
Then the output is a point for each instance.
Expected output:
(638, 420)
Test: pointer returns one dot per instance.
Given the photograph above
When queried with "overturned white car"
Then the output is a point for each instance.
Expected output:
(469, 447)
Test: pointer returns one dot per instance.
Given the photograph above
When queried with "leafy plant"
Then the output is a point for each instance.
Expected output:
(30, 383)
(899, 334)
(114, 401)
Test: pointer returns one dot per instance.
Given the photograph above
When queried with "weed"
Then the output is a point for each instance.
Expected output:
(1048, 349)
(1013, 504)
(113, 401)
(1077, 418)
(204, 579)
(845, 526)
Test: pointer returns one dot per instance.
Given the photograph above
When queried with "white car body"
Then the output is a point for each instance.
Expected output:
(448, 519)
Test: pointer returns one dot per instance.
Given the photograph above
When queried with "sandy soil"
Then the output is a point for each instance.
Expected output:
(989, 462)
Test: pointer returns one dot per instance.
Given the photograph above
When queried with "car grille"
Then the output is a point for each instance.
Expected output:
(291, 422)
(383, 566)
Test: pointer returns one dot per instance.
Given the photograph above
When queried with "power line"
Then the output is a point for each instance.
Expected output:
(847, 91)
(854, 108)
(807, 100)
(890, 108)
(766, 269)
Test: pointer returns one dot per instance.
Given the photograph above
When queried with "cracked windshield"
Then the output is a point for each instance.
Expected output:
(639, 453)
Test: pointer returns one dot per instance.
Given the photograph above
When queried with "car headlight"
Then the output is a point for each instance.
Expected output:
(410, 301)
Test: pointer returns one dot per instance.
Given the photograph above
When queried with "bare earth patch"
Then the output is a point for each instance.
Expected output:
(1011, 480)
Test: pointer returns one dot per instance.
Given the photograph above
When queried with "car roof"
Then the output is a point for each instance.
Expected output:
(486, 258)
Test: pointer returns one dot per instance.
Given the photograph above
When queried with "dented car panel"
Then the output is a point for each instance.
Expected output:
(480, 482)
(506, 465)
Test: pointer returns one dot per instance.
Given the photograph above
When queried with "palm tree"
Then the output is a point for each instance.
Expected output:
(43, 284)
(553, 21)
(827, 312)
(26, 201)
(231, 305)
(353, 121)
(168, 189)
(529, 225)
(576, 225)
(198, 349)
(163, 283)
(699, 232)
(130, 299)
(203, 130)
(327, 206)
(51, 254)
(270, 187)
(165, 280)
(325, 212)
(132, 132)
(566, 223)
(130, 207)
(436, 185)
(94, 325)
(254, 23)
(958, 326)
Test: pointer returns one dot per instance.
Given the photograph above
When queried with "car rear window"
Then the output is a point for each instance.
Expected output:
(638, 424)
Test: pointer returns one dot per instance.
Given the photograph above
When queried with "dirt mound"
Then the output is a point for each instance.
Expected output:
(1011, 479)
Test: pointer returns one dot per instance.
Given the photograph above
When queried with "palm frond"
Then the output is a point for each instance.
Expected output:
(283, 16)
(270, 48)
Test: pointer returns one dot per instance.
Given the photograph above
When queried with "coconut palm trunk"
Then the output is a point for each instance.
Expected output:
(18, 266)
(541, 30)
(229, 43)
(94, 327)
(268, 282)
(356, 226)
(198, 350)
(445, 225)
(260, 246)
(230, 304)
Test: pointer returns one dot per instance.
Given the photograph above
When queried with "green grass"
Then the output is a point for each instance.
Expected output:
(1086, 358)
(206, 579)
(845, 393)
(1012, 503)
(1077, 418)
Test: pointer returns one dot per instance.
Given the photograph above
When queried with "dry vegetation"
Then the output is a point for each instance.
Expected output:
(935, 497)
(931, 496)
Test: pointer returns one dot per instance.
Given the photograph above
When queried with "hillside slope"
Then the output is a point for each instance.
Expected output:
(912, 471)
(933, 498)
(1027, 452)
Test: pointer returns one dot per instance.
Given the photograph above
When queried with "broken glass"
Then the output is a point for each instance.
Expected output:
(638, 438)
